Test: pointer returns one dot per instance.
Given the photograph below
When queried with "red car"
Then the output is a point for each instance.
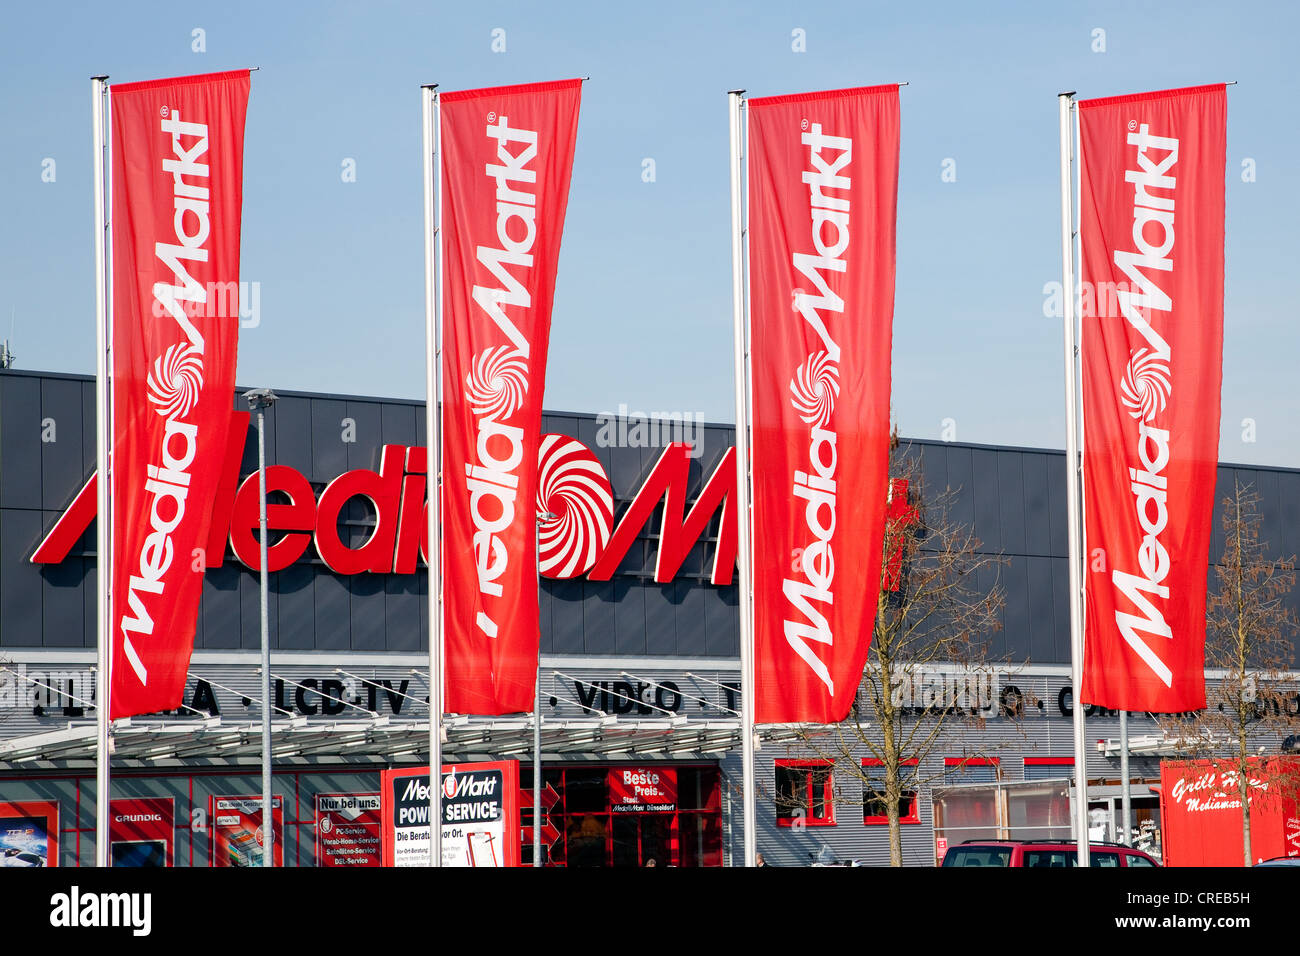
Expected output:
(1043, 853)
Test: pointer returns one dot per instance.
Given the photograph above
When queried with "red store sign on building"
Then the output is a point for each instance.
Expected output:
(642, 789)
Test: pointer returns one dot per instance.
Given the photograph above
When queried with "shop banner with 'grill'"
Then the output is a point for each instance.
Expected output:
(178, 166)
(823, 186)
(1151, 233)
(506, 156)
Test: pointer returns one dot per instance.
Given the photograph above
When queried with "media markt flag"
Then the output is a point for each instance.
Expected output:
(178, 167)
(506, 157)
(1151, 231)
(823, 193)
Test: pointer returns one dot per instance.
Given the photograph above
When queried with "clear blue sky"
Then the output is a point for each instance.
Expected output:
(642, 311)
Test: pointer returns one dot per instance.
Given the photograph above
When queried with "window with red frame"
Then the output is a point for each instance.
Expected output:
(804, 793)
(874, 808)
(958, 770)
(1048, 768)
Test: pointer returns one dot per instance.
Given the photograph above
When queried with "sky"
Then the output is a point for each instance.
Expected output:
(333, 207)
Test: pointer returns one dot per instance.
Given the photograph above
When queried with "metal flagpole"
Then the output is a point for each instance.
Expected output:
(430, 161)
(1126, 799)
(260, 399)
(103, 558)
(547, 517)
(1066, 101)
(735, 103)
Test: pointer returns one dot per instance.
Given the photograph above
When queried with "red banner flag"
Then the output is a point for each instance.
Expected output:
(507, 156)
(823, 193)
(1152, 357)
(178, 167)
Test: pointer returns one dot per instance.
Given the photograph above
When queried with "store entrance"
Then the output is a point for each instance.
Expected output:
(632, 815)
(643, 839)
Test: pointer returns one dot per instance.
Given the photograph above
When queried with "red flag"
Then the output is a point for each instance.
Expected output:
(507, 155)
(178, 165)
(1151, 227)
(823, 191)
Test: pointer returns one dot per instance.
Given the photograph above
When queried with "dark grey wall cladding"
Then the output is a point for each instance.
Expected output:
(1014, 499)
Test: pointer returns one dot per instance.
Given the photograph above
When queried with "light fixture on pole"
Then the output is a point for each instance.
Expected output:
(543, 517)
(260, 399)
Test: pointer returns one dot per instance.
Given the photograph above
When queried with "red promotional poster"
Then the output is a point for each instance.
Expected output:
(177, 162)
(1200, 812)
(506, 157)
(1151, 233)
(29, 834)
(823, 185)
(237, 837)
(142, 832)
(642, 789)
(348, 829)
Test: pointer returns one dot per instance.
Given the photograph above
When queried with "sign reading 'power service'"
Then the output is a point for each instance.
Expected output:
(480, 815)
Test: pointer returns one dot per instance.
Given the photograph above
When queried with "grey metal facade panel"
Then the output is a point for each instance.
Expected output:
(598, 625)
(1018, 627)
(329, 454)
(721, 622)
(20, 426)
(692, 634)
(1037, 508)
(987, 494)
(368, 612)
(660, 619)
(1041, 604)
(333, 612)
(21, 612)
(1058, 510)
(367, 435)
(629, 617)
(1286, 532)
(960, 480)
(295, 608)
(293, 434)
(60, 429)
(250, 611)
(397, 425)
(566, 617)
(403, 610)
(1011, 502)
(63, 622)
(88, 426)
(90, 604)
(220, 608)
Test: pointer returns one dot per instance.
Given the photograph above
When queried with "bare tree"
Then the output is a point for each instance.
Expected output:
(1248, 632)
(931, 614)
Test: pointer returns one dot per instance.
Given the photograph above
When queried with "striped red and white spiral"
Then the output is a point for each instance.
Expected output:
(572, 485)
(176, 381)
(497, 382)
(815, 387)
(1145, 387)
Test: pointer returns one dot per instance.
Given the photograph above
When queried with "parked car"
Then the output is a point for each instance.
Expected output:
(1280, 861)
(1043, 853)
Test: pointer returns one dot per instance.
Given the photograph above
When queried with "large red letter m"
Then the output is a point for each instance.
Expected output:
(678, 530)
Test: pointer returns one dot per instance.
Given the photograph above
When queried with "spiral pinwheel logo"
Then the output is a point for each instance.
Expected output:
(497, 382)
(572, 485)
(176, 380)
(1146, 385)
(814, 388)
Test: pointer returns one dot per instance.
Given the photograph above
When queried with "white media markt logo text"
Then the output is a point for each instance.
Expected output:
(499, 377)
(1146, 386)
(177, 376)
(814, 389)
